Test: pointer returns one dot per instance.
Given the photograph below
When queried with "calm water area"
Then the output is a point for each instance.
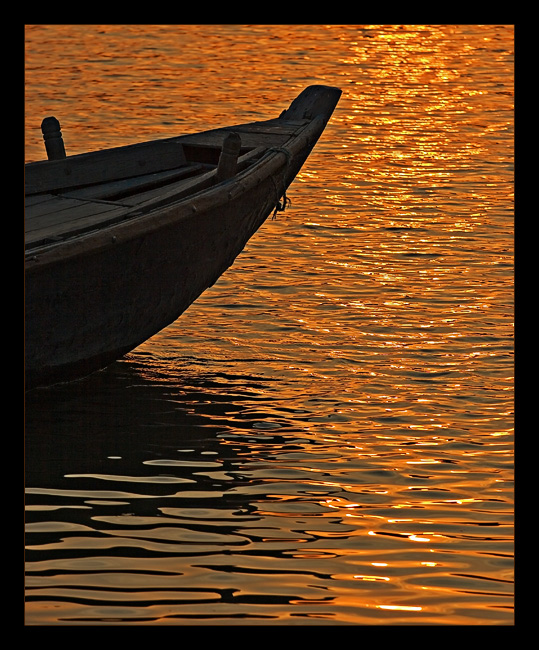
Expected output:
(326, 436)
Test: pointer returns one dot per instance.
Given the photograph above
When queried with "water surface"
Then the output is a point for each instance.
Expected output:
(326, 436)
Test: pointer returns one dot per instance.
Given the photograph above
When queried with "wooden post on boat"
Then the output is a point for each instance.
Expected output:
(229, 157)
(54, 144)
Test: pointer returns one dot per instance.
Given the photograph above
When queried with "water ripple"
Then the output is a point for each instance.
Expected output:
(325, 437)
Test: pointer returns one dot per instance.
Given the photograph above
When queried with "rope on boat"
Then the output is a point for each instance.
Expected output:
(282, 200)
(281, 206)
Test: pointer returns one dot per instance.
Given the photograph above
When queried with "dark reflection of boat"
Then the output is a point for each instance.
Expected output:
(116, 444)
(143, 494)
(118, 414)
(120, 242)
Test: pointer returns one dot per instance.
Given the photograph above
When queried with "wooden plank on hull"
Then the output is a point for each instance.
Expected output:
(103, 166)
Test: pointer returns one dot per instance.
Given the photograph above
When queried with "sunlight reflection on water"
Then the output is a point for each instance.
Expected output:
(325, 437)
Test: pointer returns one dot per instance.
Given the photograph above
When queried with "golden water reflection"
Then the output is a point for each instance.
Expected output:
(336, 411)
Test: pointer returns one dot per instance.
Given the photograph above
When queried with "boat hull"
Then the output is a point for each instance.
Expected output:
(93, 299)
(85, 313)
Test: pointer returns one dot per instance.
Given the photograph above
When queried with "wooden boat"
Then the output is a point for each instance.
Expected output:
(119, 242)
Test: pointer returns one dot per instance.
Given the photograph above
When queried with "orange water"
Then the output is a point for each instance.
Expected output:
(325, 437)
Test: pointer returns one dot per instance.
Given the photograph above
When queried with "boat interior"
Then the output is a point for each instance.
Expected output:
(77, 194)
